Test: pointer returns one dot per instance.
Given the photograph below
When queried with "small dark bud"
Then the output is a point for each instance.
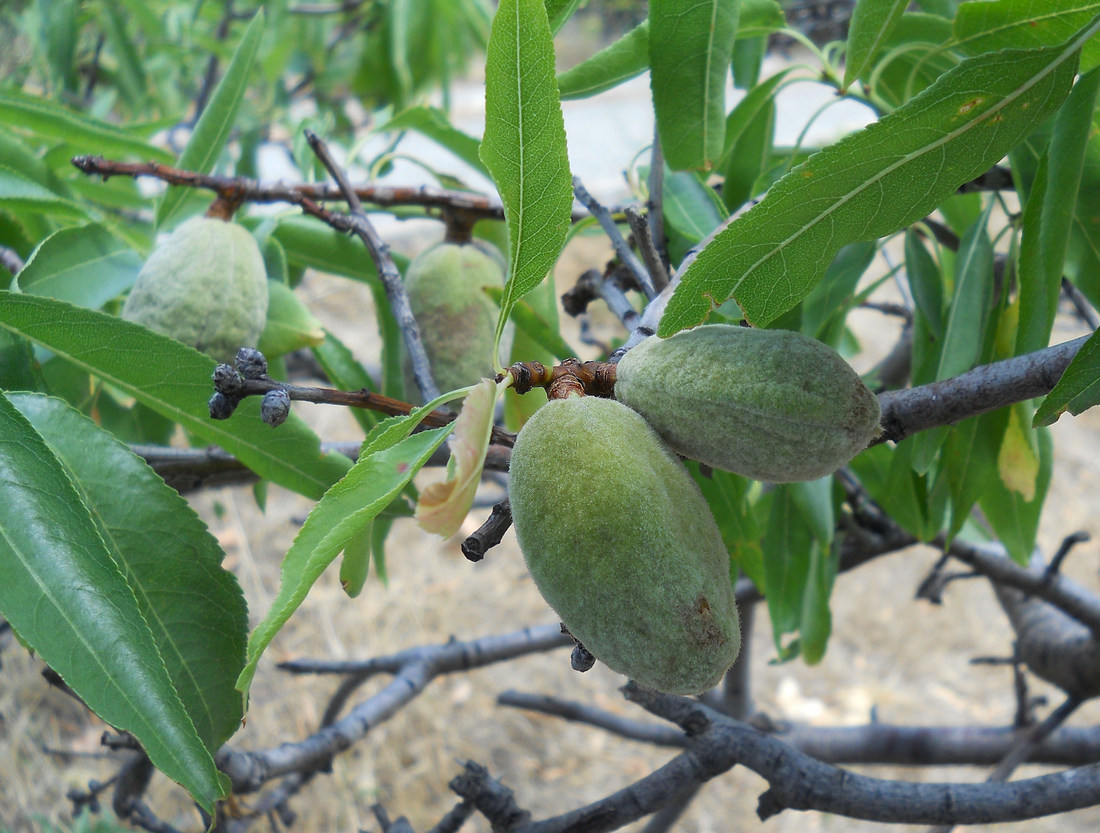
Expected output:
(275, 407)
(251, 363)
(221, 406)
(227, 380)
(581, 659)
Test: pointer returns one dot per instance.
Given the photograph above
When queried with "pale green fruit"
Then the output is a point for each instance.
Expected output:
(773, 405)
(622, 544)
(457, 318)
(205, 285)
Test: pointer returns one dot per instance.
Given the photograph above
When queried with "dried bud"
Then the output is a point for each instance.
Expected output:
(275, 407)
(227, 380)
(221, 406)
(251, 363)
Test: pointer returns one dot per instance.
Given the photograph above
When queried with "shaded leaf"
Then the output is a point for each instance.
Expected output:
(1078, 389)
(48, 118)
(872, 23)
(86, 266)
(1049, 215)
(214, 125)
(434, 124)
(621, 60)
(174, 380)
(690, 46)
(290, 325)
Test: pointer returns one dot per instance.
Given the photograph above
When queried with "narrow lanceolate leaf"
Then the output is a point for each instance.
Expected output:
(874, 182)
(690, 46)
(216, 122)
(434, 124)
(389, 460)
(47, 118)
(86, 266)
(524, 146)
(64, 596)
(19, 194)
(194, 608)
(1050, 214)
(620, 61)
(1078, 389)
(1006, 24)
(872, 23)
(173, 380)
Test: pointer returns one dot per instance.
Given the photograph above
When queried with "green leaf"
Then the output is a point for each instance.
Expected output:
(749, 155)
(173, 380)
(1005, 24)
(49, 119)
(728, 496)
(1078, 389)
(559, 11)
(66, 598)
(531, 322)
(874, 183)
(691, 206)
(787, 545)
(816, 623)
(623, 59)
(524, 146)
(290, 325)
(86, 266)
(872, 23)
(434, 124)
(970, 463)
(690, 46)
(346, 373)
(388, 461)
(1049, 216)
(194, 608)
(310, 243)
(216, 122)
(19, 194)
(132, 81)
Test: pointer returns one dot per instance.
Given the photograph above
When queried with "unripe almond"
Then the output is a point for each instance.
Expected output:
(623, 546)
(773, 405)
(205, 285)
(457, 318)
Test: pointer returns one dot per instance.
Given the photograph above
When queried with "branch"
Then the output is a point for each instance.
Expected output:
(639, 226)
(413, 670)
(978, 391)
(622, 249)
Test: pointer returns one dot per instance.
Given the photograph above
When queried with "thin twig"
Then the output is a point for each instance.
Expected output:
(388, 272)
(655, 203)
(622, 248)
(639, 225)
(1081, 304)
(490, 533)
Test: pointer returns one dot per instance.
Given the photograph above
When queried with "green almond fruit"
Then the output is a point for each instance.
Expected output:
(457, 318)
(622, 544)
(773, 405)
(204, 285)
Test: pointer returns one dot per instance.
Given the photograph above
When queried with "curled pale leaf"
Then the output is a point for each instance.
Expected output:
(443, 506)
